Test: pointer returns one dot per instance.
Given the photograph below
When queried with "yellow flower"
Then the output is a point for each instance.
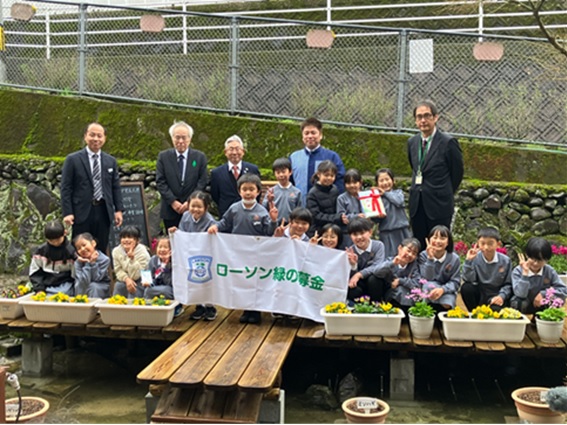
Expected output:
(118, 299)
(139, 301)
(457, 313)
(40, 296)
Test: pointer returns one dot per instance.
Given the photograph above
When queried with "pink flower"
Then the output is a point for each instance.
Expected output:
(502, 250)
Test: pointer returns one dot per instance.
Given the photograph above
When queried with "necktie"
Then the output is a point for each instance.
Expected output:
(235, 172)
(97, 184)
(180, 159)
(424, 144)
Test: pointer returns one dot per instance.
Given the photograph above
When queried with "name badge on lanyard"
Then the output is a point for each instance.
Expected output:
(419, 178)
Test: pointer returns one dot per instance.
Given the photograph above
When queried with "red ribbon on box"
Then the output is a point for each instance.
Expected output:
(376, 204)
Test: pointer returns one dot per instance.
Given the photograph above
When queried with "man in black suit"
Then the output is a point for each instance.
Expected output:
(180, 171)
(437, 170)
(224, 177)
(90, 188)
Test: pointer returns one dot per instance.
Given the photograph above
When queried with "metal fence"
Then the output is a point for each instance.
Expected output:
(369, 77)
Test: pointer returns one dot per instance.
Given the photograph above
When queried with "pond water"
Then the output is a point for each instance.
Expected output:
(95, 382)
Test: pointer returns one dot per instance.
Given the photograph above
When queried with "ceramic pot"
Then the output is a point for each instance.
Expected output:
(33, 411)
(535, 413)
(421, 327)
(355, 412)
(563, 277)
(549, 332)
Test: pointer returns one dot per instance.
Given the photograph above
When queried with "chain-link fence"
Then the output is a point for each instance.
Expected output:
(368, 76)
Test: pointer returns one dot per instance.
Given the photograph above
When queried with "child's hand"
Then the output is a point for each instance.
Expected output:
(381, 215)
(353, 282)
(279, 232)
(537, 300)
(361, 215)
(172, 229)
(131, 285)
(82, 259)
(273, 211)
(436, 293)
(429, 249)
(270, 195)
(315, 239)
(130, 253)
(395, 283)
(497, 300)
(344, 219)
(399, 259)
(352, 256)
(94, 257)
(213, 230)
(471, 253)
(524, 264)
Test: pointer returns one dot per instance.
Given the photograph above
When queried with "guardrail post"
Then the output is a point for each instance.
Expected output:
(82, 45)
(402, 80)
(234, 64)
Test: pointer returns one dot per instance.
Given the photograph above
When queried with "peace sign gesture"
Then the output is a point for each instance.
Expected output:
(472, 252)
(523, 264)
(316, 238)
(280, 230)
(429, 249)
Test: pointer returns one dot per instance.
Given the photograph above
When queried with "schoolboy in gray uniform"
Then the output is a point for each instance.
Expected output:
(487, 274)
(285, 195)
(532, 278)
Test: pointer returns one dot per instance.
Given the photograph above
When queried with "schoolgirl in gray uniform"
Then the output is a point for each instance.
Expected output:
(405, 269)
(348, 202)
(394, 227)
(91, 268)
(441, 267)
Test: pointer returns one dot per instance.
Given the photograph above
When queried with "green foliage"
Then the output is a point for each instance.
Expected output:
(552, 314)
(421, 309)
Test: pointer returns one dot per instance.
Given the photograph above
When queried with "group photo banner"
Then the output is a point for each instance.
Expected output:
(277, 275)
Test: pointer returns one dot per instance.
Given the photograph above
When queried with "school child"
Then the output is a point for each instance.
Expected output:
(364, 255)
(52, 263)
(348, 202)
(401, 273)
(160, 270)
(441, 267)
(247, 217)
(331, 236)
(533, 277)
(300, 220)
(91, 268)
(196, 220)
(487, 274)
(322, 198)
(129, 259)
(284, 195)
(394, 226)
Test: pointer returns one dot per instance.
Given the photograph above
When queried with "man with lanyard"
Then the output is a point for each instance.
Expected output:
(437, 170)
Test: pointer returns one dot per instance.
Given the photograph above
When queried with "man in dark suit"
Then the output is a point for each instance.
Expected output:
(180, 171)
(224, 177)
(437, 170)
(90, 188)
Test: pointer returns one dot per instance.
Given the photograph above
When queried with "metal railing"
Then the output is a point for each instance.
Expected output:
(370, 77)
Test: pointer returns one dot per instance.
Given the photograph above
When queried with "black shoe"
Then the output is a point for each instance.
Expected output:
(178, 310)
(199, 312)
(245, 316)
(210, 313)
(254, 317)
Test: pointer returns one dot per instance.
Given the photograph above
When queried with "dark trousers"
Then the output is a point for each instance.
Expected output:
(372, 286)
(97, 224)
(171, 223)
(473, 296)
(421, 225)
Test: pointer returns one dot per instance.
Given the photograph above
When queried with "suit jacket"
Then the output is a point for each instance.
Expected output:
(169, 182)
(223, 185)
(77, 185)
(442, 173)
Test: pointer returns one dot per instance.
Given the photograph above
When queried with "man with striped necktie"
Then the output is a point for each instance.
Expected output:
(90, 189)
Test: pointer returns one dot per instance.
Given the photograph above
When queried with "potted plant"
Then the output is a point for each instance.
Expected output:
(421, 314)
(532, 406)
(365, 410)
(558, 261)
(364, 318)
(10, 298)
(31, 410)
(550, 321)
(60, 308)
(120, 311)
(484, 324)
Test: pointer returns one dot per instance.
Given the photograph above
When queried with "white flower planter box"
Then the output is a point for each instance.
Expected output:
(362, 324)
(10, 308)
(48, 311)
(136, 315)
(563, 277)
(483, 330)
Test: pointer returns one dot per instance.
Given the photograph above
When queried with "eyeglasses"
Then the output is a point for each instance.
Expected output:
(180, 137)
(420, 117)
(237, 149)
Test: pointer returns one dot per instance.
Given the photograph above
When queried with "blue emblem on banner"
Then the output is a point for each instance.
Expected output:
(200, 269)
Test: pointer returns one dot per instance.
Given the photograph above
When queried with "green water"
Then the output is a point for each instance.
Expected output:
(95, 383)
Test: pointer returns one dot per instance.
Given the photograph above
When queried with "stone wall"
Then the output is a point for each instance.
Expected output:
(29, 196)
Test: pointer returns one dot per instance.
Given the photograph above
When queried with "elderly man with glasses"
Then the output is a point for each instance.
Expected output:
(437, 170)
(179, 171)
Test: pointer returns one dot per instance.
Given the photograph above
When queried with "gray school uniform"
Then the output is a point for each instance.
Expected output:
(304, 237)
(370, 259)
(189, 225)
(408, 279)
(286, 199)
(445, 274)
(394, 228)
(253, 221)
(494, 279)
(92, 279)
(351, 207)
(526, 288)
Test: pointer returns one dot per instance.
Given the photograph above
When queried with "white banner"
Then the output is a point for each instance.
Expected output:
(257, 273)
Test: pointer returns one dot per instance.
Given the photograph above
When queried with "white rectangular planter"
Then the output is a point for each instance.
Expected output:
(362, 324)
(48, 311)
(563, 277)
(10, 308)
(136, 315)
(483, 330)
